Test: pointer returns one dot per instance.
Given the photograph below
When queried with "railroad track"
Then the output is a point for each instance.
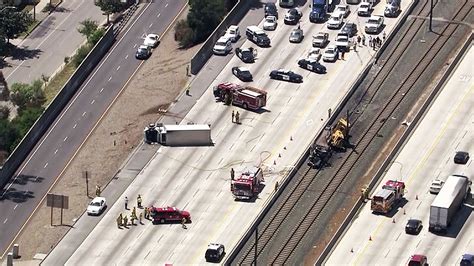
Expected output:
(305, 177)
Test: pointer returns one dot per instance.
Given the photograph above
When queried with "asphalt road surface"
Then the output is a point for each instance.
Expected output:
(50, 156)
(44, 50)
(428, 154)
(197, 179)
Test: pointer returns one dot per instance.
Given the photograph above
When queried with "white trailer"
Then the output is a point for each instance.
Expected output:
(184, 135)
(448, 202)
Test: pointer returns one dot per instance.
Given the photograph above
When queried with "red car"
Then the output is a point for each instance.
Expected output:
(169, 214)
(418, 260)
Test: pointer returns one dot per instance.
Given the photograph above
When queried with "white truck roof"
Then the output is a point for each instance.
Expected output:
(186, 127)
(449, 191)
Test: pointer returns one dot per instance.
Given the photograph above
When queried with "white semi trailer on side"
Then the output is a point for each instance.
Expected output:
(448, 202)
(184, 135)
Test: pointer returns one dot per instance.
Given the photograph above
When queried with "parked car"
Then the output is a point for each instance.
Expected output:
(143, 52)
(296, 35)
(374, 24)
(151, 40)
(461, 157)
(270, 9)
(321, 39)
(96, 206)
(246, 55)
(331, 54)
(169, 214)
(233, 33)
(312, 65)
(314, 54)
(342, 9)
(413, 226)
(293, 16)
(365, 9)
(270, 23)
(214, 252)
(287, 75)
(467, 260)
(342, 41)
(258, 36)
(392, 9)
(418, 260)
(436, 186)
(350, 29)
(223, 46)
(242, 73)
(335, 21)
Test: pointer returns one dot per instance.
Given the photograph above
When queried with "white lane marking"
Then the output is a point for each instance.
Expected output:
(93, 101)
(126, 56)
(83, 114)
(15, 206)
(118, 68)
(65, 139)
(75, 125)
(101, 90)
(56, 151)
(110, 78)
(166, 5)
(158, 15)
(150, 25)
(46, 165)
(5, 221)
(135, 46)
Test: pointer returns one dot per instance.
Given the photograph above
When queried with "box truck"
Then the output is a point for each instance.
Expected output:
(448, 202)
(179, 135)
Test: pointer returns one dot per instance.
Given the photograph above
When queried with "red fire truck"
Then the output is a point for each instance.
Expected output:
(385, 199)
(246, 97)
(247, 185)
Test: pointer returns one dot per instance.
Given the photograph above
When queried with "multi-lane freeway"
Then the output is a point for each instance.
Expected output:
(198, 179)
(49, 158)
(447, 127)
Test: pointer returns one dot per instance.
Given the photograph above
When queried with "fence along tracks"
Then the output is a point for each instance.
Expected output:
(306, 176)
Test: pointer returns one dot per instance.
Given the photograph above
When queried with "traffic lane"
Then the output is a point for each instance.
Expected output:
(55, 38)
(438, 138)
(48, 148)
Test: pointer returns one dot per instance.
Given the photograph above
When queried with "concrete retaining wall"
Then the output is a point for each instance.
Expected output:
(232, 18)
(55, 108)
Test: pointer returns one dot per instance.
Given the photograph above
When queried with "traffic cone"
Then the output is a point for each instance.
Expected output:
(370, 238)
(291, 138)
(284, 148)
(393, 220)
(274, 162)
(279, 155)
(404, 212)
(352, 250)
(416, 197)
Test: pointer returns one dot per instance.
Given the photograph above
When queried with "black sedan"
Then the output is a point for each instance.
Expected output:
(287, 75)
(246, 55)
(461, 157)
(242, 73)
(413, 226)
(312, 65)
(293, 16)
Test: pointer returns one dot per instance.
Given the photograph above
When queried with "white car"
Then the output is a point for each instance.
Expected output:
(270, 23)
(97, 206)
(342, 41)
(335, 21)
(223, 46)
(364, 9)
(436, 186)
(374, 24)
(233, 33)
(151, 40)
(314, 54)
(331, 54)
(342, 9)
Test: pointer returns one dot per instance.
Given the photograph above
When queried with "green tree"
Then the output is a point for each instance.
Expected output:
(4, 112)
(87, 28)
(183, 34)
(110, 7)
(204, 16)
(26, 119)
(13, 22)
(96, 35)
(8, 135)
(26, 95)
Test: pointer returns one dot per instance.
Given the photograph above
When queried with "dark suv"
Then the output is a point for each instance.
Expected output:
(271, 10)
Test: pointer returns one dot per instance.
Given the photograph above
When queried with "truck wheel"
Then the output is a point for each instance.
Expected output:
(245, 105)
(162, 221)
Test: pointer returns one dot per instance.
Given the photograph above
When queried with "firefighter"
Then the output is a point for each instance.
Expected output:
(232, 174)
(140, 217)
(134, 213)
(237, 117)
(183, 223)
(146, 213)
(119, 221)
(139, 201)
(125, 221)
(233, 115)
(97, 191)
(126, 203)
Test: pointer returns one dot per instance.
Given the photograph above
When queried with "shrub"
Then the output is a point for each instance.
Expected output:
(183, 34)
(80, 55)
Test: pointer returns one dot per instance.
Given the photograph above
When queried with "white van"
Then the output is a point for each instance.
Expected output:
(233, 33)
(223, 46)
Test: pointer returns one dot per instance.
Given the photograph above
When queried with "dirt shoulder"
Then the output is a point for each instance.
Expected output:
(158, 82)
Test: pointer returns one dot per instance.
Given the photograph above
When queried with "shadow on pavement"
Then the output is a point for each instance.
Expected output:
(17, 196)
(20, 53)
